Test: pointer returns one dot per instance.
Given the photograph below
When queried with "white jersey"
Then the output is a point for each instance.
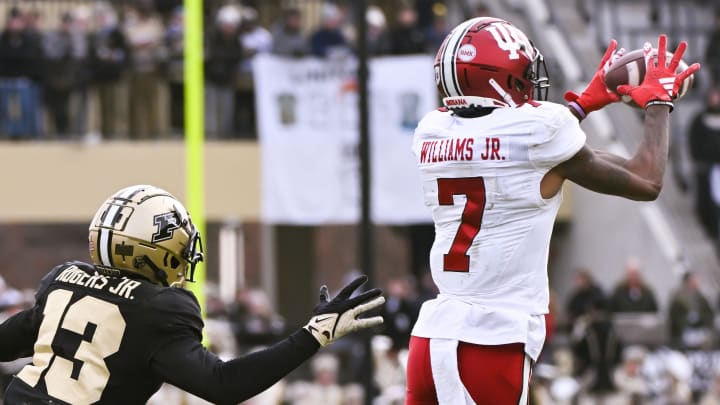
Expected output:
(481, 178)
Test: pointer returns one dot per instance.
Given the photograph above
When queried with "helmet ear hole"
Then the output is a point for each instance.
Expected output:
(174, 262)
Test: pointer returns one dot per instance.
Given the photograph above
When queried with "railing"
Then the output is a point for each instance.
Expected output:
(634, 22)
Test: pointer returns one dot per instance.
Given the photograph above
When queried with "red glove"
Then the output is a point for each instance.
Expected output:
(596, 95)
(661, 83)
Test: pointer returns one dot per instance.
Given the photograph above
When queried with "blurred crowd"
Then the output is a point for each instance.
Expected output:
(621, 346)
(12, 301)
(617, 346)
(115, 69)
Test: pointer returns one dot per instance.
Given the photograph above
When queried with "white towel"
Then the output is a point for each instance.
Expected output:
(443, 359)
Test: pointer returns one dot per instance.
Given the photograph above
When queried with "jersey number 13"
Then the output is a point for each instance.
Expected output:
(87, 386)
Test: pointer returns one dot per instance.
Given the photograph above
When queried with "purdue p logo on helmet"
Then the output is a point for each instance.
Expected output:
(145, 230)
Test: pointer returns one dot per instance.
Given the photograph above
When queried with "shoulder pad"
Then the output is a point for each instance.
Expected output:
(175, 309)
(559, 136)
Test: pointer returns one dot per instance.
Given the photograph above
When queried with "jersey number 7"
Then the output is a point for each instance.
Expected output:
(473, 188)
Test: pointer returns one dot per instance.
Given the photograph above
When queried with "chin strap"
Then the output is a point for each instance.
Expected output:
(159, 274)
(504, 94)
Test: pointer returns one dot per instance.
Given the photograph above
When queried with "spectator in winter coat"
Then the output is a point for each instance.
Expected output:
(690, 316)
(704, 140)
(66, 51)
(632, 294)
(109, 58)
(224, 53)
(287, 36)
(329, 40)
(584, 296)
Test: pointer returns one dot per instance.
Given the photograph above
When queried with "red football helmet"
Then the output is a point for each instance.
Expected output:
(488, 62)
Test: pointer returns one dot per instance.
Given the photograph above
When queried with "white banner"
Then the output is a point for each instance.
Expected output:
(308, 130)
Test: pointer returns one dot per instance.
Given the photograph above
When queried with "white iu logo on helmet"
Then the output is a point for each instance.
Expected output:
(509, 38)
(166, 223)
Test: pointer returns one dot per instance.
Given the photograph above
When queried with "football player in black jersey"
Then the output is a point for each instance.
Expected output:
(113, 331)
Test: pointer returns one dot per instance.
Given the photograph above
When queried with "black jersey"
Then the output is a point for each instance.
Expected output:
(115, 340)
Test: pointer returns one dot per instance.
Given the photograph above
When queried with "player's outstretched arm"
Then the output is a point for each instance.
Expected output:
(18, 334)
(640, 177)
(189, 366)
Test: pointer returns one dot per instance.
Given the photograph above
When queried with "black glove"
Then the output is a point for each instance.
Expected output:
(334, 319)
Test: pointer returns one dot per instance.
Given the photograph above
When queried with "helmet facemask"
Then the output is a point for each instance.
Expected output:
(193, 254)
(537, 75)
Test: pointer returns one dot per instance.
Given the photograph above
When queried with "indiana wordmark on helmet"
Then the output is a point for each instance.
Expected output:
(145, 230)
(488, 62)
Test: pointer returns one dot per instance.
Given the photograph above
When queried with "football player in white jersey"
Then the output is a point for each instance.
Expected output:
(492, 163)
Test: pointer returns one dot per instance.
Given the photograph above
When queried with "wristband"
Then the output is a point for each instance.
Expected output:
(578, 109)
(660, 102)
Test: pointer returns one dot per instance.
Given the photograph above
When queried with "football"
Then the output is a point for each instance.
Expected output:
(630, 69)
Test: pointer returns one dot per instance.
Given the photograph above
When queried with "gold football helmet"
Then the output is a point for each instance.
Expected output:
(144, 230)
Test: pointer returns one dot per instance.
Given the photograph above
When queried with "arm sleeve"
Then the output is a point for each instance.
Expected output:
(186, 364)
(18, 334)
